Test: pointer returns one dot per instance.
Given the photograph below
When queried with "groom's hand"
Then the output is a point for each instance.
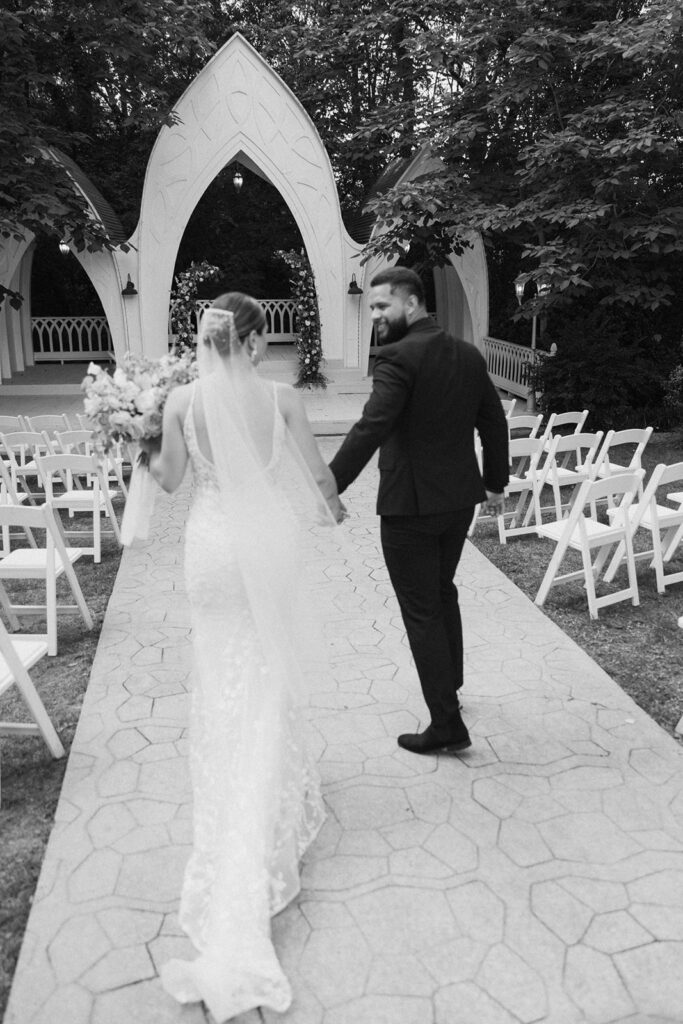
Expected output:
(494, 504)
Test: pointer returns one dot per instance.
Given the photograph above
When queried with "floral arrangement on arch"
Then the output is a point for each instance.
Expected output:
(308, 345)
(184, 302)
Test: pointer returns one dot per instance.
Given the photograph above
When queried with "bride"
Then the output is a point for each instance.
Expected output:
(258, 477)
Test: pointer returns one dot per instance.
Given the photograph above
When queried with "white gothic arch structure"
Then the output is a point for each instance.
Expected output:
(238, 108)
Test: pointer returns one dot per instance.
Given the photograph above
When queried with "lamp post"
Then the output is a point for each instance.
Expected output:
(542, 289)
(64, 247)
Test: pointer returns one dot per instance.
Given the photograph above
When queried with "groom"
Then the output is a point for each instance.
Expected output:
(429, 393)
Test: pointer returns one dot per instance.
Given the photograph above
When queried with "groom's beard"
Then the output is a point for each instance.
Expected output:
(394, 331)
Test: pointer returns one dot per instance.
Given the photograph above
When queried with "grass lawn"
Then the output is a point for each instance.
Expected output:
(641, 647)
(30, 778)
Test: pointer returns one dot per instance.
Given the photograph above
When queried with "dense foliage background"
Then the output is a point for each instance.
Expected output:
(559, 129)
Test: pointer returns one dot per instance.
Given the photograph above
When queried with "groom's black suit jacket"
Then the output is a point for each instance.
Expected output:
(429, 393)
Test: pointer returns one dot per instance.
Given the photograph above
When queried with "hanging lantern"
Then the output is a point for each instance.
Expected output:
(64, 247)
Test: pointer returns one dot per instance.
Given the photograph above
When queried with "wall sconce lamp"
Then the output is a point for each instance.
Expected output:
(354, 288)
(130, 288)
(237, 179)
(64, 247)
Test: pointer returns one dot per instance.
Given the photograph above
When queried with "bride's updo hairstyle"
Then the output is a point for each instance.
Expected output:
(248, 316)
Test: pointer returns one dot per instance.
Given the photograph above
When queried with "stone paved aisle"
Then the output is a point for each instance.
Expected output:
(537, 877)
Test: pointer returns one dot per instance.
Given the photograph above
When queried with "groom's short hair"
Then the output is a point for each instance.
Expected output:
(401, 277)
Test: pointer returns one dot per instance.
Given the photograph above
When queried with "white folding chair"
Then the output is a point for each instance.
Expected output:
(603, 465)
(20, 449)
(568, 463)
(49, 423)
(525, 455)
(17, 656)
(509, 405)
(558, 420)
(80, 442)
(664, 522)
(46, 563)
(528, 423)
(11, 424)
(594, 540)
(9, 496)
(93, 498)
(72, 442)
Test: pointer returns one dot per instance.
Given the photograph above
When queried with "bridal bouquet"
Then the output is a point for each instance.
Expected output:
(128, 406)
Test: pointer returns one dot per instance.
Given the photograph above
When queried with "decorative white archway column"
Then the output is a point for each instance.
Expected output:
(238, 108)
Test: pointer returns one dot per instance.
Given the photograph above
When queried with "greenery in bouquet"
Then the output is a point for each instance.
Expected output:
(184, 302)
(308, 345)
(129, 405)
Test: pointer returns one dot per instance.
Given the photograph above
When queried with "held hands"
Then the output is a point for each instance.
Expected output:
(338, 509)
(148, 446)
(494, 504)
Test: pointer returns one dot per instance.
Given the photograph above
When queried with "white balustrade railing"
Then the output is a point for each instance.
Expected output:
(71, 338)
(506, 363)
(62, 339)
(280, 317)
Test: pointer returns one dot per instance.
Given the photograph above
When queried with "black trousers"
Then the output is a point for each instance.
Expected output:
(422, 554)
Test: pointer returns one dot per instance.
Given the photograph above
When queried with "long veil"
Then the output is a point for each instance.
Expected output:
(260, 486)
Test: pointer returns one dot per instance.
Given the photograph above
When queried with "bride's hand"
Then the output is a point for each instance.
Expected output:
(147, 446)
(338, 510)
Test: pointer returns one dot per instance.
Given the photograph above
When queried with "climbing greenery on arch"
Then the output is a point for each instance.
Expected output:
(308, 344)
(184, 303)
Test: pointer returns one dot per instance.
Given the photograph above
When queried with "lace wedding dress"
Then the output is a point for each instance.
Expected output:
(257, 802)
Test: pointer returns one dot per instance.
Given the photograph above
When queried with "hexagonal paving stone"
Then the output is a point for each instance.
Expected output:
(653, 977)
(456, 960)
(153, 875)
(69, 1003)
(127, 926)
(479, 912)
(169, 779)
(80, 942)
(467, 1002)
(335, 964)
(591, 838)
(522, 843)
(95, 877)
(602, 896)
(400, 920)
(566, 916)
(615, 932)
(453, 849)
(663, 887)
(120, 967)
(109, 823)
(126, 742)
(596, 987)
(514, 984)
(369, 806)
(337, 873)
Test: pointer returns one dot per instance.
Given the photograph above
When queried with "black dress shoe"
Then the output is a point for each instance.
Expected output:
(427, 742)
